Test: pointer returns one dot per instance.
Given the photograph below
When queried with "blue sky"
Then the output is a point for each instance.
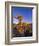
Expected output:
(26, 12)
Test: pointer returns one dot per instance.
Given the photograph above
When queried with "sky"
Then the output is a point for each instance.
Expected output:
(26, 12)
